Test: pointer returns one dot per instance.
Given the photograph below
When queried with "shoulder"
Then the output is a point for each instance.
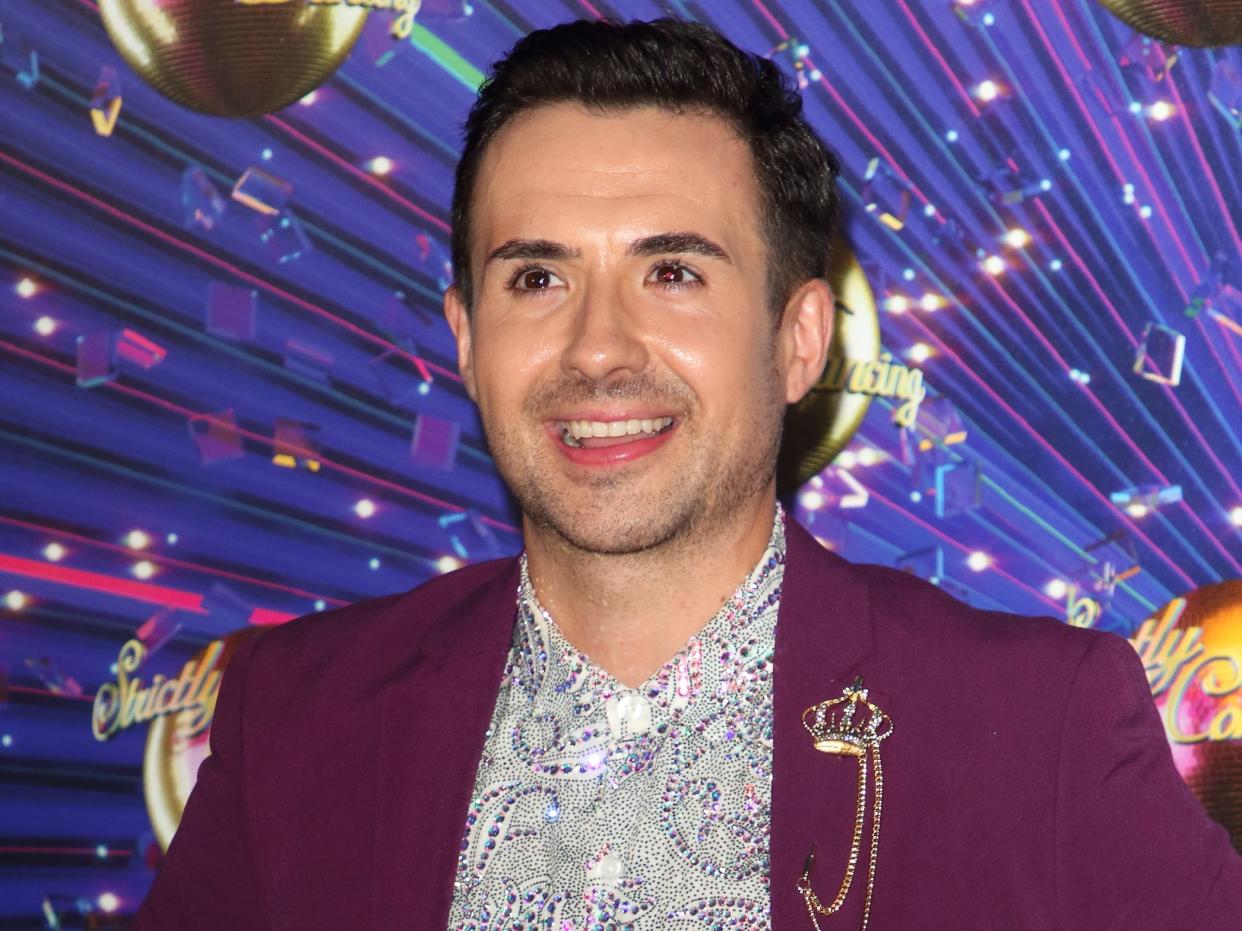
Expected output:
(906, 607)
(930, 635)
(392, 626)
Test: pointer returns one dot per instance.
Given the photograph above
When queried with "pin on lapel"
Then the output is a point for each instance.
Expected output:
(849, 726)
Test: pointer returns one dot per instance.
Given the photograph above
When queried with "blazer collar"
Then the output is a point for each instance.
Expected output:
(480, 623)
(825, 625)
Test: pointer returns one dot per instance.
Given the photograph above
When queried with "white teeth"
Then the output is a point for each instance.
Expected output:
(580, 429)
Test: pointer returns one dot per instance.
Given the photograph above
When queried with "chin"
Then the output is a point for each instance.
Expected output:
(637, 533)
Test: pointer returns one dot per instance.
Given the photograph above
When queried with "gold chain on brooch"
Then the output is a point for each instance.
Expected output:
(849, 734)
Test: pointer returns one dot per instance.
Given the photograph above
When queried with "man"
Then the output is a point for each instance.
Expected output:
(609, 732)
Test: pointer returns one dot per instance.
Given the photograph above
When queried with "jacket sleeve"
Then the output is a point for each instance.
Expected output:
(207, 879)
(1135, 850)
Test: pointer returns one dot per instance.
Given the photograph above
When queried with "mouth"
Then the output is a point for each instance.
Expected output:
(604, 441)
(601, 434)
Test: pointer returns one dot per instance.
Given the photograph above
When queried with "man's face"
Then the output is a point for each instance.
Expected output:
(629, 373)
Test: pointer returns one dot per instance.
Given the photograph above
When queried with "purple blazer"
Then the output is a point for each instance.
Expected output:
(1028, 783)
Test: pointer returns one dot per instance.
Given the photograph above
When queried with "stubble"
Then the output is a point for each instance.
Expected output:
(631, 511)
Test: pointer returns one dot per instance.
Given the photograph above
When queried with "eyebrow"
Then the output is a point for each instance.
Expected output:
(532, 249)
(684, 243)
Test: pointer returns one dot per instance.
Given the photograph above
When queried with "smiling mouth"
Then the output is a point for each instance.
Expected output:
(593, 434)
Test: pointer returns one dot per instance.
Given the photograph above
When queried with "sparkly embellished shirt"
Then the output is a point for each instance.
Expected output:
(598, 806)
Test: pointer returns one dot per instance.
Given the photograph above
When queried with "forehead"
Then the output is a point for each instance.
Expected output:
(638, 170)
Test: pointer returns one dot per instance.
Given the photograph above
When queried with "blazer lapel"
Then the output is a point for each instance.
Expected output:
(434, 714)
(823, 640)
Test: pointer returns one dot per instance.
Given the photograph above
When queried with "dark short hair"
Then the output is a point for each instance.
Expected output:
(683, 67)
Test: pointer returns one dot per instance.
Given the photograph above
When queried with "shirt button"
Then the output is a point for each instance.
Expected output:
(635, 711)
(611, 868)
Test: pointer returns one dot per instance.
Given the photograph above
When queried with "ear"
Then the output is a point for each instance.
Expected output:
(459, 322)
(805, 336)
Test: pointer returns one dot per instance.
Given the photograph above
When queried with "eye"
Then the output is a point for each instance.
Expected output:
(672, 274)
(534, 279)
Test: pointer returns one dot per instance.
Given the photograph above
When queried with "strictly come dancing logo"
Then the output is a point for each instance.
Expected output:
(1192, 650)
(1195, 673)
(130, 701)
(177, 710)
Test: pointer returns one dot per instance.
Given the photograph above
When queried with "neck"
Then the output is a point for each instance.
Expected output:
(631, 613)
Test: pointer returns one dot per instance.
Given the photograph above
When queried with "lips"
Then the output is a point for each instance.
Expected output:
(596, 441)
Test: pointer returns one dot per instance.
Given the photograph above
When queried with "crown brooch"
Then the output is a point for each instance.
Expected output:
(848, 731)
(849, 726)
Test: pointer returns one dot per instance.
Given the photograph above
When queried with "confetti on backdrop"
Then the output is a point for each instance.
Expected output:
(232, 312)
(106, 101)
(434, 444)
(1161, 352)
(284, 237)
(96, 358)
(202, 205)
(295, 443)
(262, 191)
(133, 347)
(217, 437)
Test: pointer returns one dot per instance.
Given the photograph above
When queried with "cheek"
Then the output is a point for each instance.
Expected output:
(509, 360)
(723, 364)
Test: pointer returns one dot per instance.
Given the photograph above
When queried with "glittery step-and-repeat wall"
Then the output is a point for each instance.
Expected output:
(227, 397)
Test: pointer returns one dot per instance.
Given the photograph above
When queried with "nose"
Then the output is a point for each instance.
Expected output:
(605, 338)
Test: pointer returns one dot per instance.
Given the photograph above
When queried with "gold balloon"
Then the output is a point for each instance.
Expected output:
(1203, 23)
(232, 57)
(170, 761)
(819, 426)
